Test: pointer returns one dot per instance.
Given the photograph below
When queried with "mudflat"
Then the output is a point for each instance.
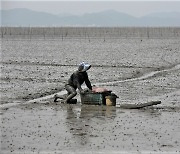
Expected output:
(138, 70)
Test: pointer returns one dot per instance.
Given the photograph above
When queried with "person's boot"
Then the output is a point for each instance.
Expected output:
(73, 101)
(55, 98)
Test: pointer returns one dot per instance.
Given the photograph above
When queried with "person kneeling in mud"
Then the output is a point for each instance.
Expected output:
(75, 81)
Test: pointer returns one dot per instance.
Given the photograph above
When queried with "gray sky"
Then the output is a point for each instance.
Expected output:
(136, 8)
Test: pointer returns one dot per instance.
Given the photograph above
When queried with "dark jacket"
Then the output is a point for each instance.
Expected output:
(78, 78)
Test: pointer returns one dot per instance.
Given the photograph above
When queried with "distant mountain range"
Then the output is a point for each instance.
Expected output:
(26, 17)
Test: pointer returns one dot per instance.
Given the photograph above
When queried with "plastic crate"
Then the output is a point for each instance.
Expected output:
(93, 98)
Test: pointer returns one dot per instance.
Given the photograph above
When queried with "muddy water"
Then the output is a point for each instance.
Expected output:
(47, 128)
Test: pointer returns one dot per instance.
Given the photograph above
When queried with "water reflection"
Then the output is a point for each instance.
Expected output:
(82, 120)
(98, 111)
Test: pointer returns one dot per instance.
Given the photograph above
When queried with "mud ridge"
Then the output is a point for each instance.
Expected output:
(143, 77)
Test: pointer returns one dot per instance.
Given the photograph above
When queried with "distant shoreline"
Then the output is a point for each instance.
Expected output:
(89, 32)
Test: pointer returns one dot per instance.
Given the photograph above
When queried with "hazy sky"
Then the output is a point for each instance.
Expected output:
(136, 8)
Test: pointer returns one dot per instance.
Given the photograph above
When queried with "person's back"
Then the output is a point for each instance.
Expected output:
(77, 78)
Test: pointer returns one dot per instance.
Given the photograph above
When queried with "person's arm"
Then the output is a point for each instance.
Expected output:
(88, 83)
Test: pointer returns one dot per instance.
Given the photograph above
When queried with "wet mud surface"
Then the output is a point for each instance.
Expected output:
(35, 68)
(137, 70)
(83, 128)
